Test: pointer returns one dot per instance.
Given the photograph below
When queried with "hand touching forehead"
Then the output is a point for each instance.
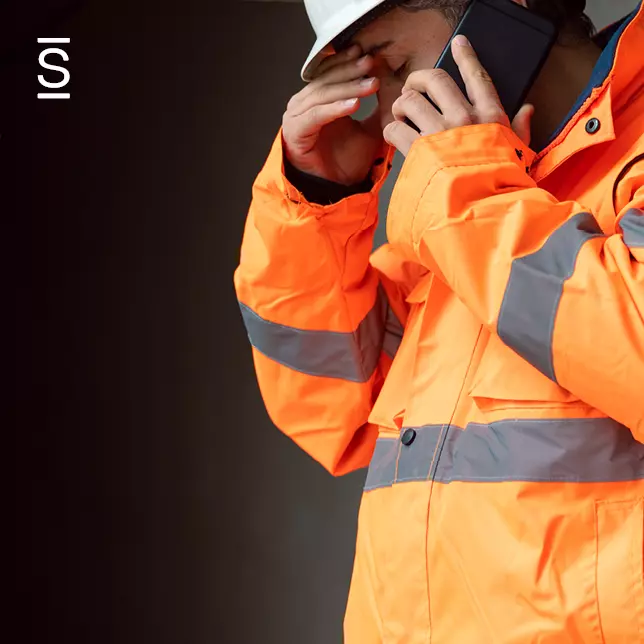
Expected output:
(402, 42)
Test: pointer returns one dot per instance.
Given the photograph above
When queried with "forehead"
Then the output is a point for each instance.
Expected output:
(385, 29)
(397, 27)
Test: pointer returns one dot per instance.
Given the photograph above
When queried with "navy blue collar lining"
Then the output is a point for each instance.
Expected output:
(609, 39)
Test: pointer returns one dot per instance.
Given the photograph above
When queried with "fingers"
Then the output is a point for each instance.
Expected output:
(479, 85)
(450, 108)
(334, 94)
(344, 72)
(419, 110)
(351, 53)
(303, 126)
(522, 123)
(453, 108)
(325, 94)
(341, 72)
(443, 90)
(400, 135)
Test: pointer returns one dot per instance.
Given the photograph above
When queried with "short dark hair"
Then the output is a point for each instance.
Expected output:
(453, 10)
(567, 15)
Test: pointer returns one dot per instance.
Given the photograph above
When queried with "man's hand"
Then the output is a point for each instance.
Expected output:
(320, 137)
(483, 105)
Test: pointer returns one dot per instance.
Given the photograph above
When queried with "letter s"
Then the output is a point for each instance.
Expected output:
(46, 65)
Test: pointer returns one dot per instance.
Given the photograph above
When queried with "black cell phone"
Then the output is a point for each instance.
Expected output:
(512, 44)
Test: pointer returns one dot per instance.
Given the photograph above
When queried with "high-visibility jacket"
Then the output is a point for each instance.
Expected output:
(487, 364)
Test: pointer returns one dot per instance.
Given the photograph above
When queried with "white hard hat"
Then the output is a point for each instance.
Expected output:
(332, 18)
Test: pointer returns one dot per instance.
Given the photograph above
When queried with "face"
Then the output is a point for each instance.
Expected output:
(402, 42)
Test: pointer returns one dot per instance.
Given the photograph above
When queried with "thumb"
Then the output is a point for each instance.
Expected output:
(522, 121)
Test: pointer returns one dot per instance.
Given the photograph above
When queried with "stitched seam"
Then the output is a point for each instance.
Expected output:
(549, 406)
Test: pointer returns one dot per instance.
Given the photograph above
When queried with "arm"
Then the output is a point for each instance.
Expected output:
(315, 313)
(538, 272)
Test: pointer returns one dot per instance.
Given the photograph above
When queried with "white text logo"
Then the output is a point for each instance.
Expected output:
(42, 59)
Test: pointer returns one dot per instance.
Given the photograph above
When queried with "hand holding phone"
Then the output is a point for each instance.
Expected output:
(453, 110)
(512, 44)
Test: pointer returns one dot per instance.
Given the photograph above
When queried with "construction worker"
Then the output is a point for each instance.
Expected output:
(487, 363)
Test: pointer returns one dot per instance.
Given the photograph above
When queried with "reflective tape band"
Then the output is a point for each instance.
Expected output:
(632, 225)
(588, 450)
(531, 301)
(382, 469)
(347, 356)
(393, 334)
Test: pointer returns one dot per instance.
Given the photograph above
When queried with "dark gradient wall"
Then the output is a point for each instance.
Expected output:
(156, 503)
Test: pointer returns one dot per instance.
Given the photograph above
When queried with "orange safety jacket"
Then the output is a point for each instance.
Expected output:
(487, 364)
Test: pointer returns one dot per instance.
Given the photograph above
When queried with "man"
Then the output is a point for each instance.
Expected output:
(488, 362)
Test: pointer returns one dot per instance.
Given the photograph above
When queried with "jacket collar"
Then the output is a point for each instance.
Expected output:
(616, 78)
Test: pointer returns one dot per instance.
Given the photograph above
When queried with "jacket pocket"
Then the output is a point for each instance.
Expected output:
(620, 570)
(504, 380)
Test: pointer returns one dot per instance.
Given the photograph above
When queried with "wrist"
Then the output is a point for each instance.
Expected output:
(320, 190)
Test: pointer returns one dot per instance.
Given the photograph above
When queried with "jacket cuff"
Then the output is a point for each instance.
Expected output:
(322, 191)
(276, 178)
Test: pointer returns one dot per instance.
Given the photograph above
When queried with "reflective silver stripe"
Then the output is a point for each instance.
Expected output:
(632, 225)
(531, 301)
(382, 470)
(588, 450)
(348, 356)
(393, 334)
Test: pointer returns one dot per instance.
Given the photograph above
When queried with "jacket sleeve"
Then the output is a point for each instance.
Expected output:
(315, 312)
(541, 273)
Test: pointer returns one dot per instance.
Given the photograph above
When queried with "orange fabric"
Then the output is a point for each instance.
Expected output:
(474, 216)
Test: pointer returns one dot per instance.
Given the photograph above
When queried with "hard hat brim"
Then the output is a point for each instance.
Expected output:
(321, 50)
(367, 10)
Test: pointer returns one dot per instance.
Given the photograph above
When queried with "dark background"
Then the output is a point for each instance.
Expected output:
(156, 503)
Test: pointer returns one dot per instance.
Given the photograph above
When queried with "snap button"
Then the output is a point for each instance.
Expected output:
(408, 437)
(593, 126)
